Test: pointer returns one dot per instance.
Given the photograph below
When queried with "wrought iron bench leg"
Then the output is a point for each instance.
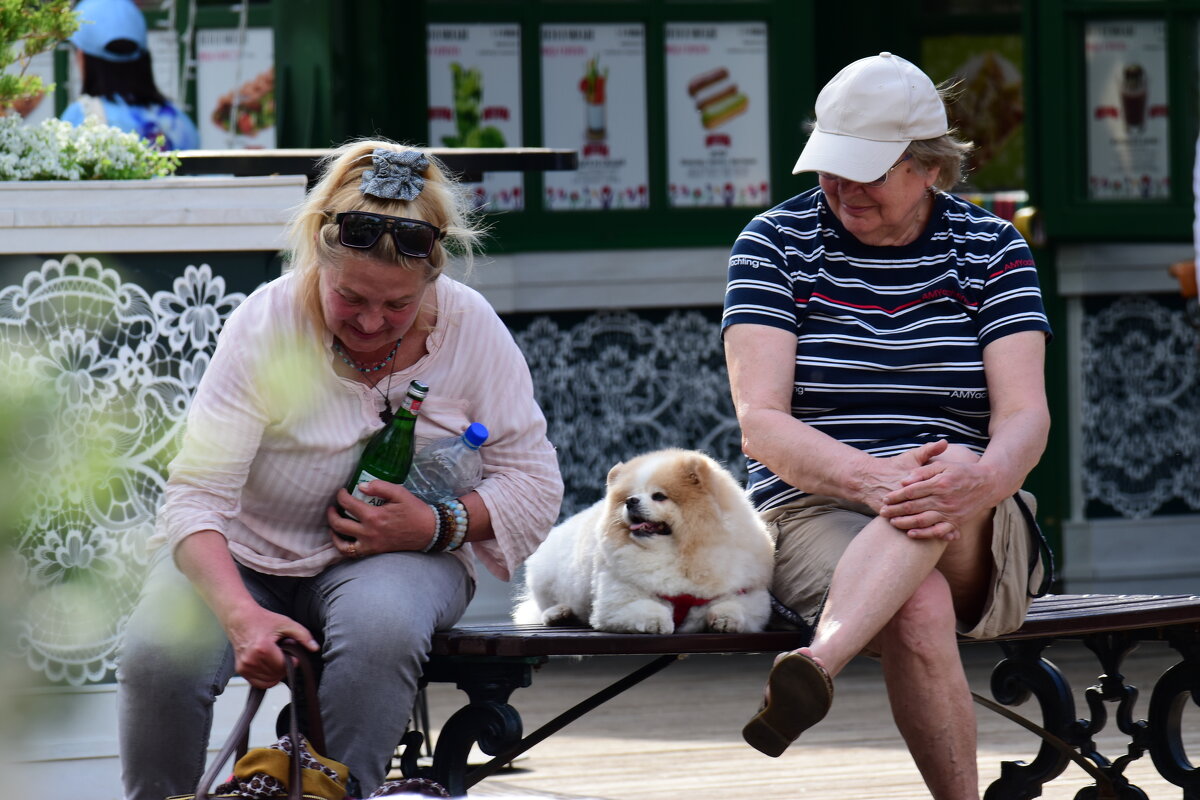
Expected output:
(1022, 672)
(487, 719)
(1167, 703)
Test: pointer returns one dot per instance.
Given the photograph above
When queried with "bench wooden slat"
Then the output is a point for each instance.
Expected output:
(1051, 616)
(1079, 615)
(538, 641)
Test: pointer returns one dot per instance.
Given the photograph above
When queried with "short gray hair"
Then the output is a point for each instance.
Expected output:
(947, 152)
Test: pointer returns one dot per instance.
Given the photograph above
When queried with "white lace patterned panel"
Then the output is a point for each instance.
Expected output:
(615, 384)
(117, 367)
(1140, 407)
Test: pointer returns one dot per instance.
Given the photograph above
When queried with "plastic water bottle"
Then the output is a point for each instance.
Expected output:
(448, 468)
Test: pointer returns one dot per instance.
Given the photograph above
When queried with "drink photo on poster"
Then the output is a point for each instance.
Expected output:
(1133, 97)
(593, 85)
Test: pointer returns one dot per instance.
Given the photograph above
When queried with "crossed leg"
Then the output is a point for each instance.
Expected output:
(901, 597)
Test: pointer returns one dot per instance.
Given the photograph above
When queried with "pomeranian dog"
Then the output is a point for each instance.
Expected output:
(674, 546)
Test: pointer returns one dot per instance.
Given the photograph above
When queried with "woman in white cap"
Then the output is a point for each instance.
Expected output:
(118, 79)
(885, 343)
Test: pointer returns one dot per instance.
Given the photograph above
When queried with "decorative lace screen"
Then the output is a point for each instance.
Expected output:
(99, 374)
(1140, 416)
(614, 384)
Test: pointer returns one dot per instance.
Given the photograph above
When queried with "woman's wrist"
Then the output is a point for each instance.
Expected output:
(451, 523)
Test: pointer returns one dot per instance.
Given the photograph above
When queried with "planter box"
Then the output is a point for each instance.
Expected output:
(160, 215)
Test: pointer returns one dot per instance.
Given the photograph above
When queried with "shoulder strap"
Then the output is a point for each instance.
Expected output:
(1041, 549)
(93, 107)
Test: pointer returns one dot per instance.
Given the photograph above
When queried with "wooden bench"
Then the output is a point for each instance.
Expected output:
(489, 662)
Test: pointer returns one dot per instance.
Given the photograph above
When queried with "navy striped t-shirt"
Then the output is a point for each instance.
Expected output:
(889, 347)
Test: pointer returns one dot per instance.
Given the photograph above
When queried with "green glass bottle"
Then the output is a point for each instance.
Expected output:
(389, 453)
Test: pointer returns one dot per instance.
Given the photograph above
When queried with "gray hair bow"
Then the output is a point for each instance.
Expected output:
(396, 176)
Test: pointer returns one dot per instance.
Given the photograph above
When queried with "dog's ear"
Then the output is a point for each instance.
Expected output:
(695, 470)
(614, 472)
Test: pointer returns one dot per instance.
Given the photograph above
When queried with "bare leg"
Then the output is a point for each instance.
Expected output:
(902, 596)
(881, 570)
(878, 572)
(928, 690)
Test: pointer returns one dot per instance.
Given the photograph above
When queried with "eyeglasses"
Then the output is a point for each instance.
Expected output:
(362, 229)
(880, 181)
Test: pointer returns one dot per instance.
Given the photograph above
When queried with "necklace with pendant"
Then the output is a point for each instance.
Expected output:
(387, 413)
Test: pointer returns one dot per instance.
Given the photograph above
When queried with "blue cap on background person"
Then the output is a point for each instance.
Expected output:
(868, 114)
(113, 30)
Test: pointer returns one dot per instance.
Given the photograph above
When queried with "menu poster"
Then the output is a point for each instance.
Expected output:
(235, 89)
(475, 100)
(717, 121)
(1127, 107)
(35, 108)
(594, 101)
(164, 61)
(987, 106)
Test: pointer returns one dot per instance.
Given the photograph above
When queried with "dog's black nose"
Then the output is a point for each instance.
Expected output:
(631, 503)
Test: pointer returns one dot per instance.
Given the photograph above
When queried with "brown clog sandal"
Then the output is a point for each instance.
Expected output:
(799, 694)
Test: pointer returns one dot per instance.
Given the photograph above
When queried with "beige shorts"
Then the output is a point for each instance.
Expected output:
(812, 533)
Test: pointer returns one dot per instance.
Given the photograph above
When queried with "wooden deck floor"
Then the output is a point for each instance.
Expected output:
(677, 735)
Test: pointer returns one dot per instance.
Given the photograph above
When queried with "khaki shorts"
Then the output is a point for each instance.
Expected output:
(812, 533)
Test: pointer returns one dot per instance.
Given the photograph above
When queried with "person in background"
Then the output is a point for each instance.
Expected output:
(885, 342)
(1188, 272)
(251, 547)
(118, 80)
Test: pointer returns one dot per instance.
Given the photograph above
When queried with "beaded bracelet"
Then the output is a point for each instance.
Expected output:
(438, 527)
(461, 523)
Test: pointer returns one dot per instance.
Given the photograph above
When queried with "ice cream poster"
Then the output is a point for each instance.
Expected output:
(594, 101)
(235, 89)
(475, 100)
(717, 121)
(1127, 107)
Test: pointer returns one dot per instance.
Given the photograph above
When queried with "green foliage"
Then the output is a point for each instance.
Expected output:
(57, 150)
(29, 27)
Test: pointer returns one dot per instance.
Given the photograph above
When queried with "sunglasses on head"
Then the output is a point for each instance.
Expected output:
(362, 229)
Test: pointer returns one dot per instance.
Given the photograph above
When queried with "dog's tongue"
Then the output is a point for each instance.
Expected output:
(648, 527)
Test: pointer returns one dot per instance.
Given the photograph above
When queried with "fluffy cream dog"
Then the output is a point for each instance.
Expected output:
(674, 546)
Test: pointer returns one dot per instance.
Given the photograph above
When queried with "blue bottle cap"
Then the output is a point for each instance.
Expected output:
(475, 435)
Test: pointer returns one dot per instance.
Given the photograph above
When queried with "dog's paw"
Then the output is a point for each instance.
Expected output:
(725, 623)
(559, 615)
(733, 617)
(643, 616)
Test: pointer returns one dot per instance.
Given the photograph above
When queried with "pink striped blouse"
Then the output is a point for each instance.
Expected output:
(273, 432)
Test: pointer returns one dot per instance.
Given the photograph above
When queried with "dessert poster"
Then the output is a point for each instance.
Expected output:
(594, 101)
(475, 100)
(1127, 108)
(988, 107)
(717, 123)
(235, 89)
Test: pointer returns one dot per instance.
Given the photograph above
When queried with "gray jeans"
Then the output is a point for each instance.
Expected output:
(374, 618)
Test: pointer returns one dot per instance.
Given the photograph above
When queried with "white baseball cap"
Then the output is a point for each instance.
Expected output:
(868, 114)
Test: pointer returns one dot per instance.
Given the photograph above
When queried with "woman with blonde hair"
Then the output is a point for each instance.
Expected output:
(252, 547)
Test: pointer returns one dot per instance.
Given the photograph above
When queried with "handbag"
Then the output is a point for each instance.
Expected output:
(291, 768)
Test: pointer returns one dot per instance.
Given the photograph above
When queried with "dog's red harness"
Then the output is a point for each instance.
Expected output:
(681, 604)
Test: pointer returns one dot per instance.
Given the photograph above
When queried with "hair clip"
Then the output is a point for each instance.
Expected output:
(396, 175)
